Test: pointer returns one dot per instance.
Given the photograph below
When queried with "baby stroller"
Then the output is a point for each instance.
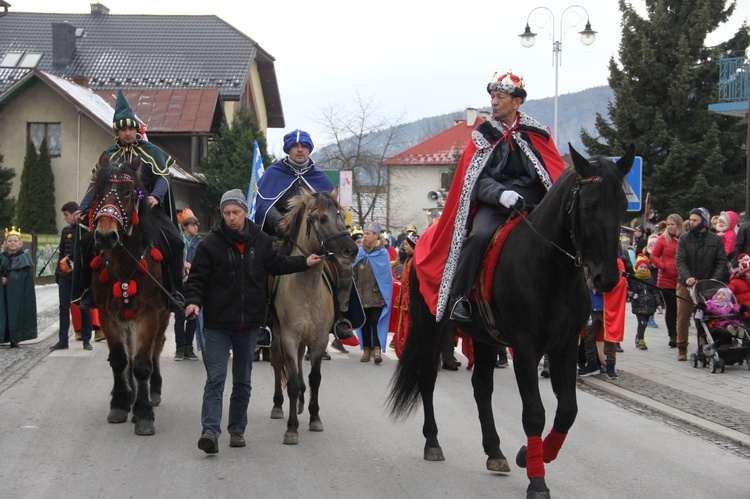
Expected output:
(719, 346)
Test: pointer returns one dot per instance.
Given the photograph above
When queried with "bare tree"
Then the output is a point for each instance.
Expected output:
(361, 138)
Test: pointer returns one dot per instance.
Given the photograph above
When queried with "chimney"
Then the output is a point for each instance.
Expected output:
(471, 116)
(99, 9)
(63, 43)
(81, 81)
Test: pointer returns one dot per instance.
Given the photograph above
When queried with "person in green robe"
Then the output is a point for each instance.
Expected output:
(17, 295)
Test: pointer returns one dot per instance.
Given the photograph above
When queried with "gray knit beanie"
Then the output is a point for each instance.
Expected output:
(235, 196)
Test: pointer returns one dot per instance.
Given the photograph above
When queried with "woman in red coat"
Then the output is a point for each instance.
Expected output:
(663, 257)
(740, 282)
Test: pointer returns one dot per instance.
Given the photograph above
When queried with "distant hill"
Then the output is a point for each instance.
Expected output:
(575, 111)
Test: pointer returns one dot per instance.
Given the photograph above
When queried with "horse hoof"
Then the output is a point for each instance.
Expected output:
(433, 454)
(316, 426)
(498, 464)
(537, 489)
(155, 399)
(291, 438)
(117, 416)
(144, 427)
(521, 457)
(534, 494)
(277, 413)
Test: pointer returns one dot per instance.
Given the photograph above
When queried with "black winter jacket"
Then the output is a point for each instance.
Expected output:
(232, 287)
(701, 255)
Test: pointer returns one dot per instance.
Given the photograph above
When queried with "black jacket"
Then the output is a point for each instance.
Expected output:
(232, 287)
(701, 255)
(66, 250)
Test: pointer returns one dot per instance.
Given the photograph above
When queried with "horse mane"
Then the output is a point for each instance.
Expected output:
(291, 224)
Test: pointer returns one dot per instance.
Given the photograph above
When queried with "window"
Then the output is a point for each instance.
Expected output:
(30, 60)
(50, 131)
(11, 59)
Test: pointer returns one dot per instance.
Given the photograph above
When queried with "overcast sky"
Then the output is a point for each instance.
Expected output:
(417, 57)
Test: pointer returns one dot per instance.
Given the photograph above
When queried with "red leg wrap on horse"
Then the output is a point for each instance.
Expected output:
(534, 454)
(552, 444)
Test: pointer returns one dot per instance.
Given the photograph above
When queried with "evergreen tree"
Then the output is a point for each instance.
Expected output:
(36, 199)
(230, 159)
(7, 203)
(663, 86)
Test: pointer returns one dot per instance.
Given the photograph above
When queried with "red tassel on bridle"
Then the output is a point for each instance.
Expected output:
(156, 255)
(104, 275)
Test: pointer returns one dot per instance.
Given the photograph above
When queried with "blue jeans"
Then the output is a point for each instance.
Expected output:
(218, 342)
(64, 290)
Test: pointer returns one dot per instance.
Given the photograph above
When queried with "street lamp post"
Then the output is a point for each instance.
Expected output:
(588, 36)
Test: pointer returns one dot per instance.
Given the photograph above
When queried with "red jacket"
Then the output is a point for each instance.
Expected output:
(740, 286)
(663, 257)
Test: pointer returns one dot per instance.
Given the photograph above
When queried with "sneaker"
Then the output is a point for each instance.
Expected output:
(618, 348)
(326, 355)
(179, 354)
(87, 346)
(502, 362)
(450, 366)
(591, 369)
(208, 443)
(59, 346)
(237, 439)
(611, 373)
(99, 335)
(338, 346)
(640, 344)
(652, 322)
(189, 354)
(77, 336)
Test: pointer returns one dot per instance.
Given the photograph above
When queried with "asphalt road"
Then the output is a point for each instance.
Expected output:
(55, 441)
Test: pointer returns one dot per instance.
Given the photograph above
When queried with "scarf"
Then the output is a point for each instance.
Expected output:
(643, 275)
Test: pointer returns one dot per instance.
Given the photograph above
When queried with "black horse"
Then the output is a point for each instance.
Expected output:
(540, 304)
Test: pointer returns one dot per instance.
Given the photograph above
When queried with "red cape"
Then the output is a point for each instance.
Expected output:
(432, 251)
(614, 309)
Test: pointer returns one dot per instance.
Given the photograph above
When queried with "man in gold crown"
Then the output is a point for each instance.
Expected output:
(17, 295)
(509, 163)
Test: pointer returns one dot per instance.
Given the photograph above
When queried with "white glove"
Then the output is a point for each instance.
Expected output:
(509, 198)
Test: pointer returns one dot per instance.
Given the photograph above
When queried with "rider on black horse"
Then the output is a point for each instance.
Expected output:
(280, 183)
(154, 176)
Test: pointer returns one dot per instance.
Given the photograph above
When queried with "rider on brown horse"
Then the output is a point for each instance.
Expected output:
(154, 174)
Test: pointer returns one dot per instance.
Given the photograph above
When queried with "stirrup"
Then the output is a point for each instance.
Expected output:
(347, 330)
(461, 310)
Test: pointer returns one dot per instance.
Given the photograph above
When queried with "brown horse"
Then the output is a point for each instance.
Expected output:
(304, 304)
(132, 308)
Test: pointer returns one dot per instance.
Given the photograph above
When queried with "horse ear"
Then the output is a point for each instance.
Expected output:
(625, 163)
(103, 159)
(581, 164)
(335, 193)
(306, 195)
(135, 165)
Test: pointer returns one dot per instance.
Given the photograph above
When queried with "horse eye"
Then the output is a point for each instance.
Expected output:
(324, 219)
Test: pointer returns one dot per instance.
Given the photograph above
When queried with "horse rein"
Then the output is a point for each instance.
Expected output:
(580, 181)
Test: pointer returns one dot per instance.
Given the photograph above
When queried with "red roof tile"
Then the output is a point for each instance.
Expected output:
(443, 149)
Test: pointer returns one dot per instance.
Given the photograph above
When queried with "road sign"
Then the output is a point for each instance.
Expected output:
(633, 184)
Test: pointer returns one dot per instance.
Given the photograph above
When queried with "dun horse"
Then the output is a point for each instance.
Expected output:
(304, 304)
(540, 304)
(132, 307)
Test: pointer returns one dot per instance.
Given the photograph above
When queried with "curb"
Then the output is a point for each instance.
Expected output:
(704, 424)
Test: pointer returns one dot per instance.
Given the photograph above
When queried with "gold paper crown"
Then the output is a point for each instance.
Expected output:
(508, 78)
(13, 232)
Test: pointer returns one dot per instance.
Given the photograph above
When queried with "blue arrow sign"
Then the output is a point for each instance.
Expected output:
(633, 185)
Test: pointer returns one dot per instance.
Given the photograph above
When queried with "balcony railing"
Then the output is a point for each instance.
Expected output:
(734, 79)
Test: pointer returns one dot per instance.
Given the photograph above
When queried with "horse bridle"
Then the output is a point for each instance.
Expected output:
(571, 210)
(311, 225)
(117, 211)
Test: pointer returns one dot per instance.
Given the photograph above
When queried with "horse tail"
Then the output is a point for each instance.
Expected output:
(419, 358)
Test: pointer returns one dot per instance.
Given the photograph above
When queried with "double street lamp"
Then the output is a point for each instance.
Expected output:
(574, 14)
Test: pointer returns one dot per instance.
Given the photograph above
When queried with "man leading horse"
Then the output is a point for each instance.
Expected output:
(154, 175)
